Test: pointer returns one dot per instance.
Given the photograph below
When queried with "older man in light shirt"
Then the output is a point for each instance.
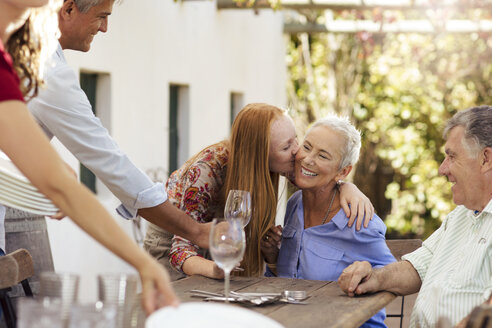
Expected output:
(452, 271)
(63, 110)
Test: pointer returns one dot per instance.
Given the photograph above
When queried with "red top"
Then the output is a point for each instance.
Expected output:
(9, 81)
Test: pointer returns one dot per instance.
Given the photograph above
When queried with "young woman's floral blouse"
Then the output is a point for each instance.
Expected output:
(198, 193)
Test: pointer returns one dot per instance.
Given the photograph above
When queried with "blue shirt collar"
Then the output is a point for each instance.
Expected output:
(340, 220)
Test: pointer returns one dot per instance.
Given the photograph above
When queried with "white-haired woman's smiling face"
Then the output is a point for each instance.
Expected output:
(318, 159)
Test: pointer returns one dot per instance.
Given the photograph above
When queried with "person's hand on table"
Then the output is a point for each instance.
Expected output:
(356, 205)
(218, 273)
(358, 278)
(156, 287)
(270, 244)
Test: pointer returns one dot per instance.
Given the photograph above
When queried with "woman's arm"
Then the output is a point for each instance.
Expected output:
(28, 148)
(195, 192)
(198, 265)
(184, 257)
(360, 206)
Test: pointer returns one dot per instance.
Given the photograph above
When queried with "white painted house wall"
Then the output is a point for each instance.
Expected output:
(149, 45)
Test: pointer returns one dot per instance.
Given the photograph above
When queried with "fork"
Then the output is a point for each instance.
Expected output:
(256, 300)
(204, 293)
(298, 295)
(291, 297)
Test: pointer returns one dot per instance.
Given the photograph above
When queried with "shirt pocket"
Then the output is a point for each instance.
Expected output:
(288, 255)
(324, 262)
(472, 270)
(289, 239)
(288, 232)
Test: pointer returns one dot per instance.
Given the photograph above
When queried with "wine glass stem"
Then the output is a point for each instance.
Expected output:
(227, 274)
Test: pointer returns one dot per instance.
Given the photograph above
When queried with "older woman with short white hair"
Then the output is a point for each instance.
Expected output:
(316, 242)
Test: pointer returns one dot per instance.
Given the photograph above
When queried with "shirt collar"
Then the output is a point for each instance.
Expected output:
(488, 208)
(340, 220)
(478, 216)
(59, 52)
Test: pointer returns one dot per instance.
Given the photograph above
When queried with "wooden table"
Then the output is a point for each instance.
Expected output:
(328, 305)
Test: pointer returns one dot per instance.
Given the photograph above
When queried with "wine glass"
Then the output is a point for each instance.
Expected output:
(238, 206)
(227, 245)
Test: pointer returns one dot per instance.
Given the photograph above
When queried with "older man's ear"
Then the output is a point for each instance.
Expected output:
(486, 160)
(67, 9)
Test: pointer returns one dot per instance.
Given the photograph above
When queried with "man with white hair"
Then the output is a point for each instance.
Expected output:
(63, 110)
(452, 271)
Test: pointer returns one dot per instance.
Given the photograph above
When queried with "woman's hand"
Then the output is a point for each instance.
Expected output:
(156, 287)
(360, 206)
(58, 216)
(217, 273)
(270, 244)
(199, 265)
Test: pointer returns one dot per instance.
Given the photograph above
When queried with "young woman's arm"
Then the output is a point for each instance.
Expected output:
(199, 265)
(360, 206)
(28, 148)
(196, 192)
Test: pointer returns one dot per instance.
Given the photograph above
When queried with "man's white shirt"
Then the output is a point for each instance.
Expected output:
(63, 110)
(455, 266)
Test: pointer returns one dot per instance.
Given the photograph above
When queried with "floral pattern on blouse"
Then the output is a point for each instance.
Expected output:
(197, 192)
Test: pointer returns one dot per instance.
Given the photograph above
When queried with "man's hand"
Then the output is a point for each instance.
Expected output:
(170, 218)
(358, 278)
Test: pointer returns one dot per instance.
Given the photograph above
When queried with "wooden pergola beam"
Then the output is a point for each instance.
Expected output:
(353, 5)
(406, 26)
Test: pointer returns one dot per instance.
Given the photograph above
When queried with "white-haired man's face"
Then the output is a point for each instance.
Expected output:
(463, 170)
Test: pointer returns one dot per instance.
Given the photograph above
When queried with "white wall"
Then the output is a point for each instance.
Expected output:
(150, 44)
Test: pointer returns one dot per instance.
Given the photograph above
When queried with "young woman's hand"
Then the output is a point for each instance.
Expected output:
(199, 265)
(270, 244)
(355, 205)
(156, 287)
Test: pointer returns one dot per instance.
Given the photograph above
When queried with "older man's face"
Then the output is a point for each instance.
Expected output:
(78, 33)
(463, 170)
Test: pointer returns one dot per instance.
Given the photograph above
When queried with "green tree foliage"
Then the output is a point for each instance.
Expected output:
(399, 90)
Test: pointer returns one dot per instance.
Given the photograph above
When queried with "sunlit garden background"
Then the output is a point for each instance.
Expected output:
(399, 89)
